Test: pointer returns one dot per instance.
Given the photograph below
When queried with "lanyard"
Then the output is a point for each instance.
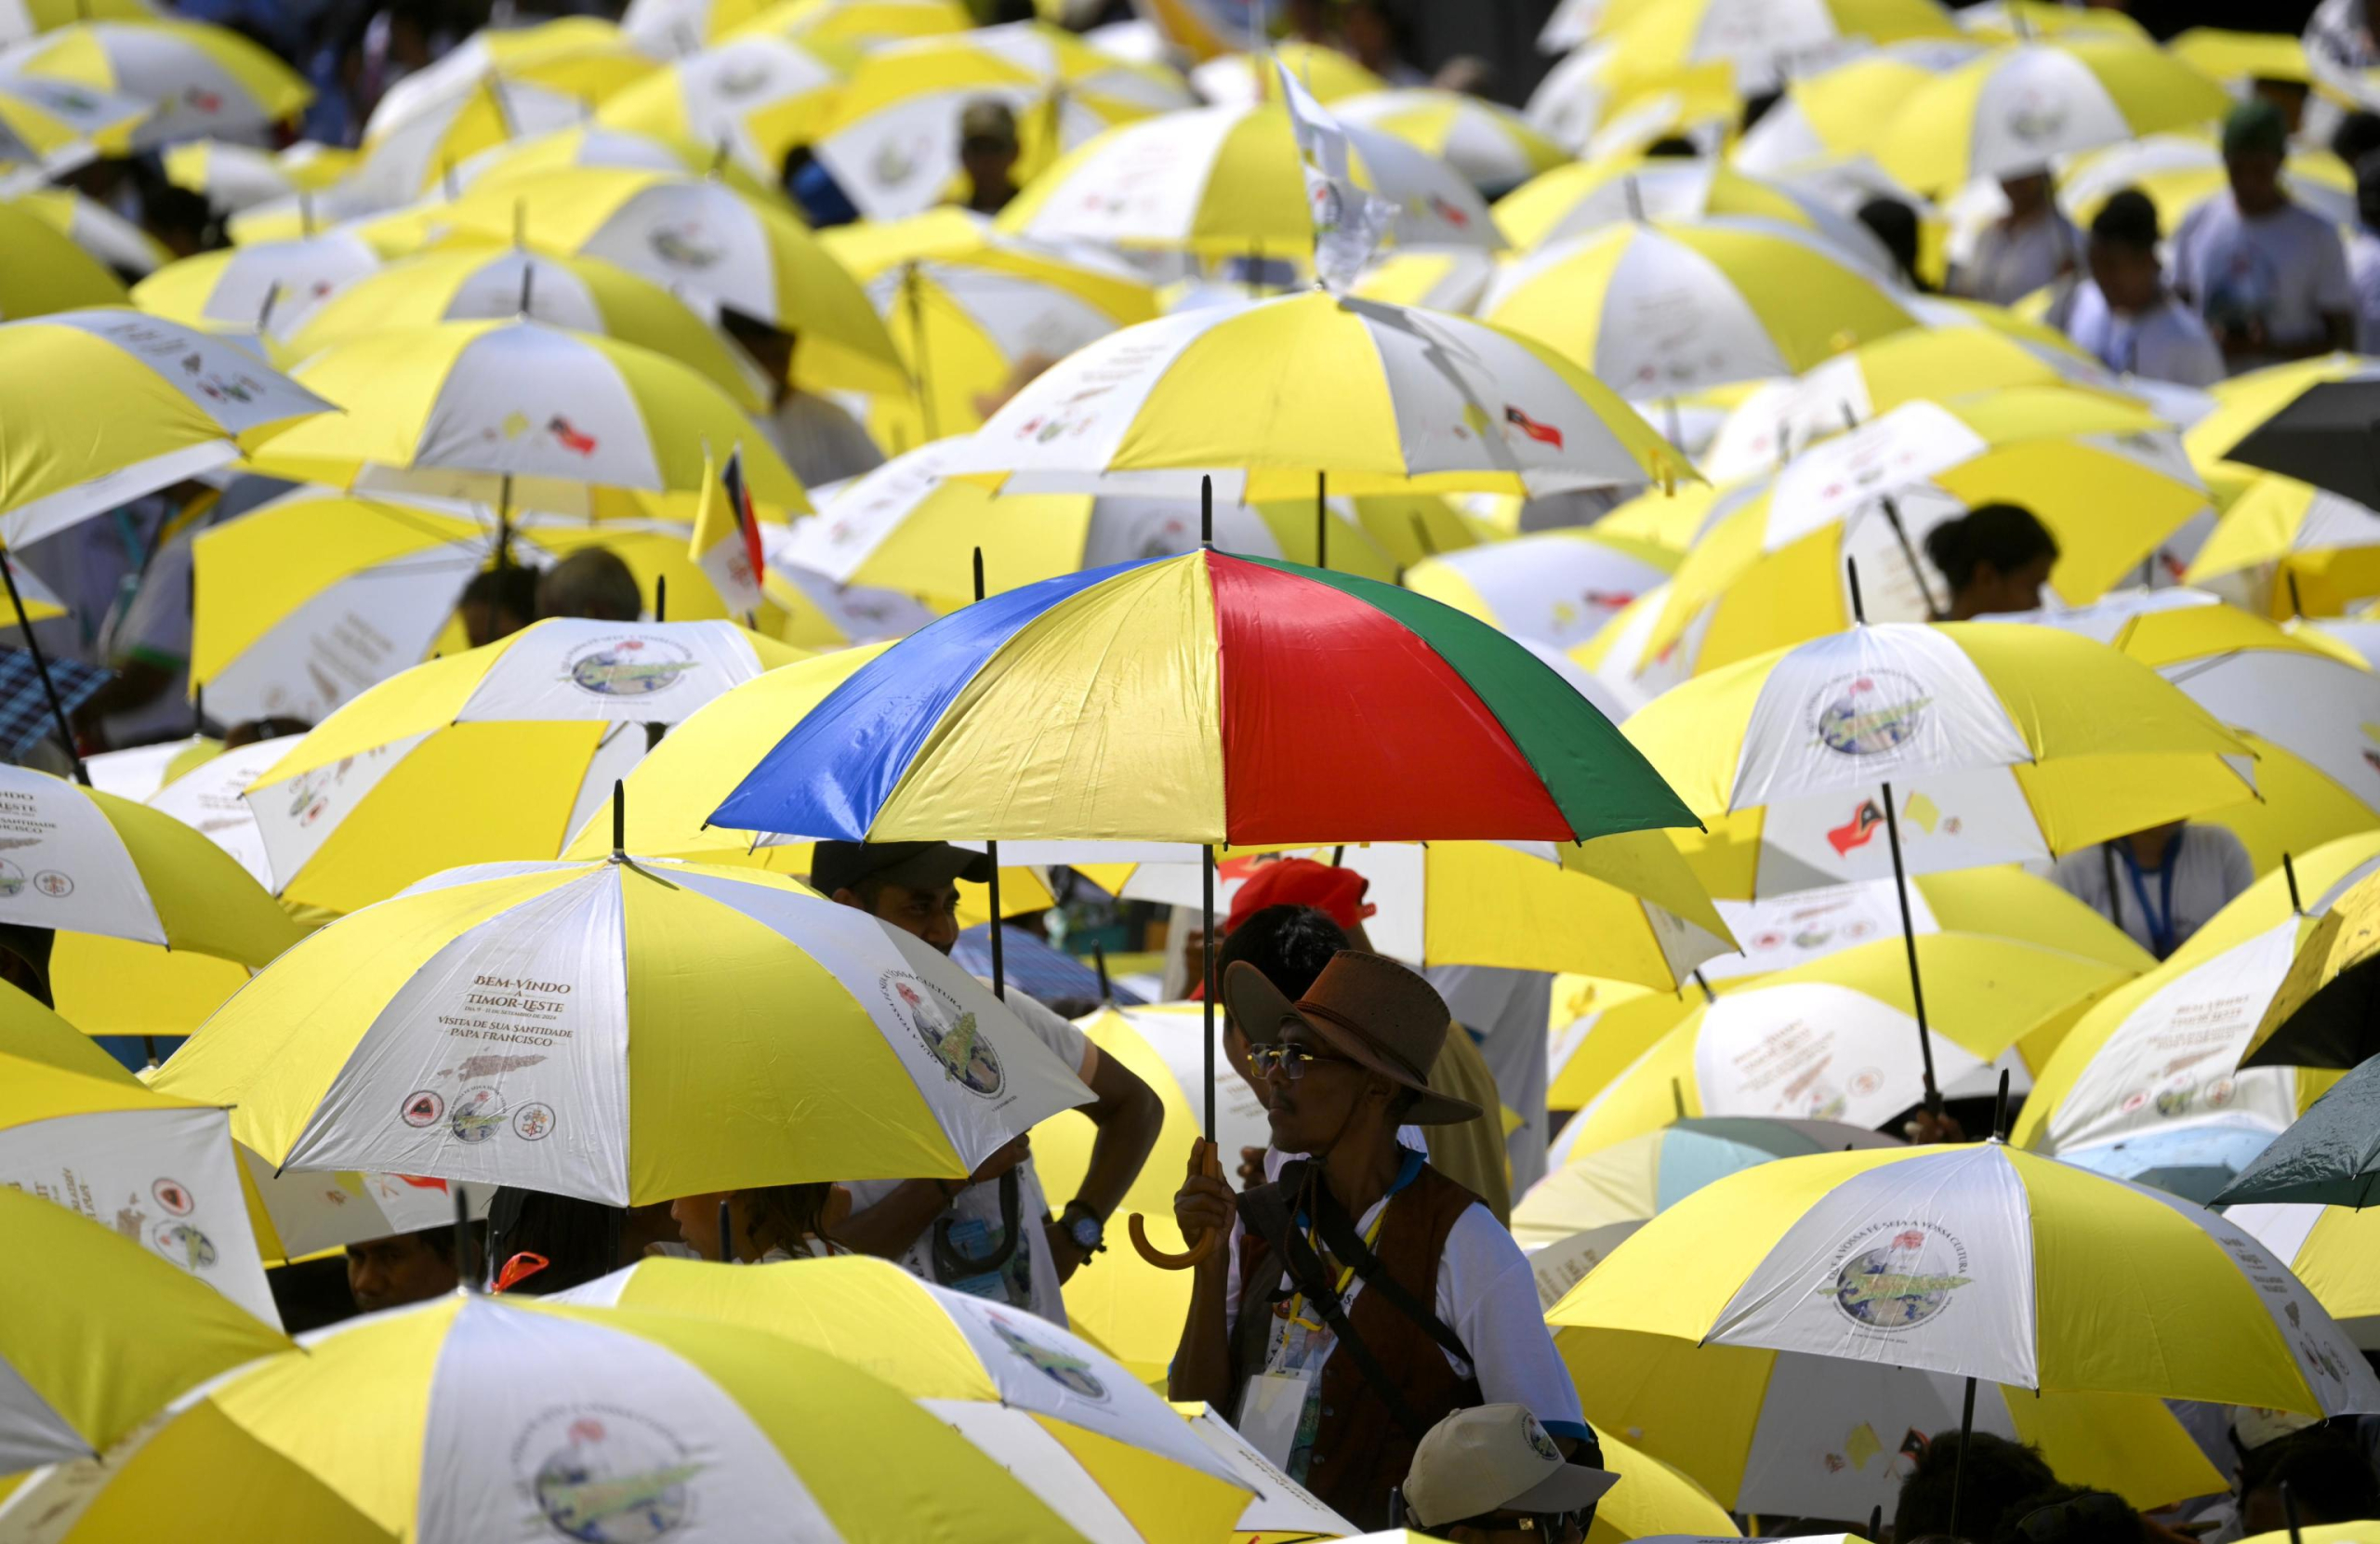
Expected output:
(2158, 917)
(1296, 1315)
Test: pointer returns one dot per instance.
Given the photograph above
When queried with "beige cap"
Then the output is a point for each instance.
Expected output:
(1495, 1458)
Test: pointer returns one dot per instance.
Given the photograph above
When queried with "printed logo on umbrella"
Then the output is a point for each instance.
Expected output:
(683, 245)
(1543, 433)
(610, 1476)
(1896, 1276)
(1870, 714)
(950, 1036)
(1068, 1371)
(2036, 116)
(627, 667)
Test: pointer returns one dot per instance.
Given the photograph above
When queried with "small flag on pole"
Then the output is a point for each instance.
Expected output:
(727, 538)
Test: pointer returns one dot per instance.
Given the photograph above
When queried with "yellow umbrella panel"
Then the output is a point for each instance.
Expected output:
(47, 271)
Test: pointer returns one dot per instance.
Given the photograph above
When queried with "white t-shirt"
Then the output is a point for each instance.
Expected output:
(2363, 277)
(2208, 869)
(1487, 1293)
(1029, 1280)
(2165, 342)
(2286, 270)
(2011, 261)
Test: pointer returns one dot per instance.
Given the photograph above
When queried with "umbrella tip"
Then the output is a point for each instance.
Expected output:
(619, 820)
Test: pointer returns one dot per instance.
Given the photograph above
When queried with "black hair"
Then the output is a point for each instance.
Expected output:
(1290, 945)
(2328, 1474)
(2000, 1475)
(2068, 1514)
(1895, 224)
(580, 1240)
(593, 582)
(508, 589)
(2356, 137)
(2005, 536)
(1673, 146)
(2127, 219)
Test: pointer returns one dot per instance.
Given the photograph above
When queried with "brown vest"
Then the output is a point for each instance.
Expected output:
(1360, 1450)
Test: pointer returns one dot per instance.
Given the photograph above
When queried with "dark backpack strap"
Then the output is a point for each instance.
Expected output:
(1348, 1244)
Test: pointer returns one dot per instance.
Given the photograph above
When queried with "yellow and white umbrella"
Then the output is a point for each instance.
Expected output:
(1833, 114)
(2180, 171)
(504, 1416)
(892, 143)
(1438, 279)
(1066, 1418)
(2333, 1251)
(27, 19)
(969, 308)
(1778, 419)
(596, 144)
(1282, 1508)
(1225, 182)
(199, 79)
(151, 1167)
(1585, 196)
(855, 25)
(1984, 1261)
(1269, 395)
(1764, 44)
(383, 792)
(234, 177)
(98, 229)
(673, 29)
(106, 406)
(754, 96)
(1487, 142)
(101, 1298)
(520, 413)
(1993, 742)
(571, 1027)
(1594, 103)
(266, 287)
(541, 77)
(47, 274)
(205, 797)
(1662, 307)
(679, 230)
(1559, 587)
(2020, 20)
(2016, 109)
(470, 284)
(1242, 79)
(1772, 566)
(2305, 549)
(2160, 1059)
(58, 126)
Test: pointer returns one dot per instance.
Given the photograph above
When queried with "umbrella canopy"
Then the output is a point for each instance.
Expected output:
(520, 413)
(596, 144)
(1266, 396)
(93, 1286)
(1835, 111)
(857, 23)
(2330, 1156)
(81, 861)
(1763, 44)
(892, 140)
(105, 405)
(2321, 1015)
(1982, 1261)
(200, 80)
(2315, 552)
(604, 1007)
(1998, 743)
(392, 786)
(754, 98)
(504, 1414)
(2164, 1053)
(2014, 111)
(2332, 1250)
(236, 177)
(1237, 79)
(1282, 1507)
(1066, 1418)
(1637, 1177)
(1662, 307)
(1585, 196)
(59, 125)
(48, 273)
(2309, 436)
(1093, 707)
(1491, 145)
(1225, 182)
(2181, 171)
(102, 234)
(678, 231)
(1559, 587)
(2246, 403)
(268, 286)
(586, 295)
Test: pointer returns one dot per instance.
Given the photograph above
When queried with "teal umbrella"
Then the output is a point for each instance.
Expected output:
(2331, 1156)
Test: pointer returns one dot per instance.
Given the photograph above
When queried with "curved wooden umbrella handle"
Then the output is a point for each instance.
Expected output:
(1210, 1164)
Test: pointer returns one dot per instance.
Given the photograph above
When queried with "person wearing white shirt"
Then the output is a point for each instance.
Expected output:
(2031, 245)
(817, 438)
(2123, 315)
(2160, 885)
(2268, 274)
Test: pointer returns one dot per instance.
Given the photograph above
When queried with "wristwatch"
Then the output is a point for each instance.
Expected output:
(1083, 1225)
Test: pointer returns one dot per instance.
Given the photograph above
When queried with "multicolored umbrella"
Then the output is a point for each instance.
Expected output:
(1097, 706)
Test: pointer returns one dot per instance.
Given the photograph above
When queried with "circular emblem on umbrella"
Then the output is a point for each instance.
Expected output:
(1068, 1371)
(479, 1114)
(1896, 1276)
(173, 1196)
(683, 244)
(184, 1245)
(1871, 713)
(951, 1035)
(608, 1476)
(630, 665)
(423, 1107)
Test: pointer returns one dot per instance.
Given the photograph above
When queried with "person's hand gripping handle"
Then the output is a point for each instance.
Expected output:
(1203, 1209)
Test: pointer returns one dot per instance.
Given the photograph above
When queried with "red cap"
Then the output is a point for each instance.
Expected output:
(1338, 893)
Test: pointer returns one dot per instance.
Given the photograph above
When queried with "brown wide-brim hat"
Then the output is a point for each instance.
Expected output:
(1369, 1009)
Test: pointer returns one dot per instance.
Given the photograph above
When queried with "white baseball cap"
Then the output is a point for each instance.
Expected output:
(1495, 1458)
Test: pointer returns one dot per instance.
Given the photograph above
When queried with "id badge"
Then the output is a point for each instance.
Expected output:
(1269, 1413)
(973, 1236)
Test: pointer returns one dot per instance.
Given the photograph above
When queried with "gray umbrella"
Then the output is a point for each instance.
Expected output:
(2331, 1156)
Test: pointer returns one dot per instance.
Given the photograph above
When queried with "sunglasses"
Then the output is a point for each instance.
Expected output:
(1291, 1060)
